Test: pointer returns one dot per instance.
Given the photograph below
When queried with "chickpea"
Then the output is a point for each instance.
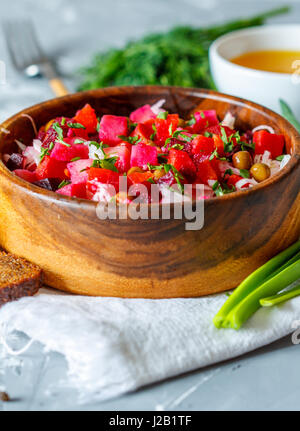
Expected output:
(181, 122)
(241, 160)
(260, 172)
(158, 173)
(134, 169)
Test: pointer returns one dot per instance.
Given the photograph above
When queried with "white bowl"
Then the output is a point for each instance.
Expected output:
(265, 88)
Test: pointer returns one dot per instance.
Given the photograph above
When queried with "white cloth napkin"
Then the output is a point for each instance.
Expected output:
(116, 345)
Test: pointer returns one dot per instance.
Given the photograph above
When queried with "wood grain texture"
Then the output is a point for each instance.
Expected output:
(149, 258)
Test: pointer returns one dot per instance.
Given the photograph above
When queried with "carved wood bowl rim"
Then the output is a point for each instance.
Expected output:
(114, 91)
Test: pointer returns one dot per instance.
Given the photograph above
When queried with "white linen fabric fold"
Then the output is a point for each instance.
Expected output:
(115, 345)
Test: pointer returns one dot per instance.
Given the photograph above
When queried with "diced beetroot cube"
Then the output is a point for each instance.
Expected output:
(26, 175)
(79, 170)
(123, 153)
(142, 154)
(67, 153)
(204, 119)
(48, 183)
(15, 161)
(183, 163)
(51, 168)
(142, 114)
(265, 141)
(73, 190)
(87, 117)
(112, 126)
(165, 128)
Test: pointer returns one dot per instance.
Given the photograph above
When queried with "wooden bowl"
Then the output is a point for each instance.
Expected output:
(149, 258)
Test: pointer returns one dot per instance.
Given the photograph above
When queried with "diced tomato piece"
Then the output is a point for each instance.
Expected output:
(139, 177)
(142, 114)
(142, 154)
(88, 118)
(51, 168)
(182, 162)
(144, 131)
(218, 145)
(202, 145)
(231, 180)
(165, 128)
(103, 176)
(74, 190)
(206, 172)
(112, 126)
(203, 119)
(26, 175)
(265, 141)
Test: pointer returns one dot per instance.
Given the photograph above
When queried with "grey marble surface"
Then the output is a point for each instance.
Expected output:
(70, 31)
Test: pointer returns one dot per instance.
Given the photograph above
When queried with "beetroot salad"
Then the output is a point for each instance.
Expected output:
(85, 155)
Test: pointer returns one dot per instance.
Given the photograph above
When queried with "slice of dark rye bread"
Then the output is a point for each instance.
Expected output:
(18, 277)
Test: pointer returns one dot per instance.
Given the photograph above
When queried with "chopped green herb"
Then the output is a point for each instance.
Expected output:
(177, 146)
(63, 121)
(280, 158)
(79, 141)
(245, 146)
(151, 180)
(75, 159)
(98, 125)
(131, 139)
(76, 126)
(244, 173)
(153, 134)
(163, 115)
(58, 130)
(64, 183)
(192, 121)
(44, 152)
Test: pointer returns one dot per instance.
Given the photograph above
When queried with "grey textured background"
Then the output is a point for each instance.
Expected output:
(71, 31)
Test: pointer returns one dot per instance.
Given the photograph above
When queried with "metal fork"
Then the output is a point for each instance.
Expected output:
(27, 55)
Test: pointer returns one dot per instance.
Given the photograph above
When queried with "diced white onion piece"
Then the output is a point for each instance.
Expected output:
(263, 127)
(224, 166)
(245, 181)
(263, 158)
(156, 108)
(37, 144)
(285, 160)
(104, 192)
(229, 120)
(32, 156)
(274, 167)
(95, 153)
(211, 182)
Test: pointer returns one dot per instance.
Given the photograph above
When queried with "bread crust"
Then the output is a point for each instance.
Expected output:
(19, 278)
